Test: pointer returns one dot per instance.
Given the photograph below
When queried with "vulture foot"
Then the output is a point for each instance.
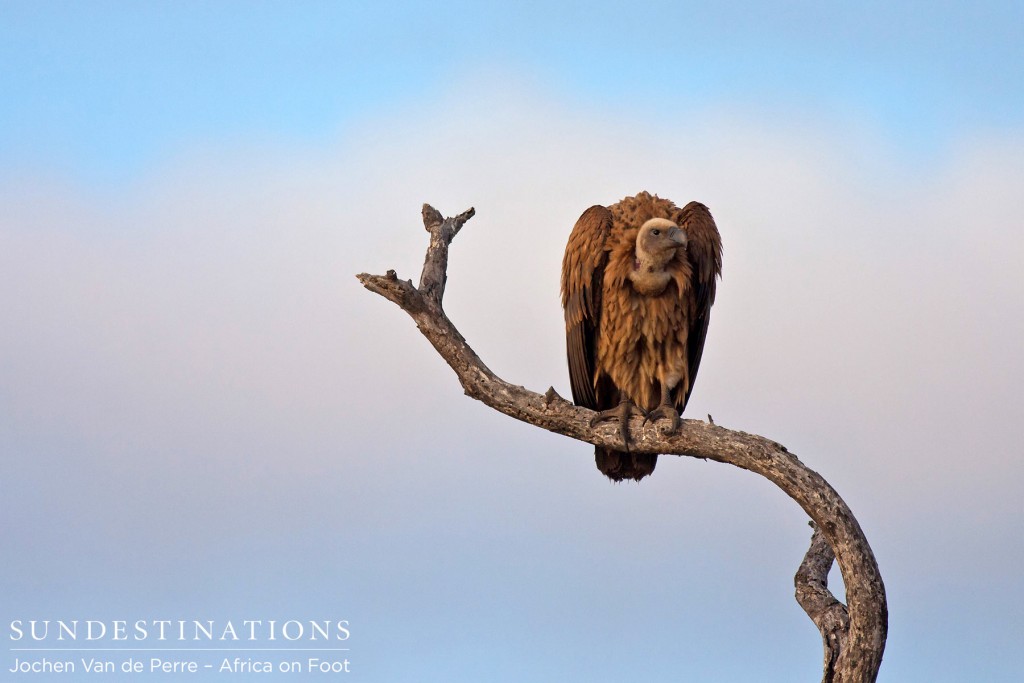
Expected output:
(621, 413)
(668, 412)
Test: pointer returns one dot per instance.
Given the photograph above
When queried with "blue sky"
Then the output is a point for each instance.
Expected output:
(110, 88)
(203, 416)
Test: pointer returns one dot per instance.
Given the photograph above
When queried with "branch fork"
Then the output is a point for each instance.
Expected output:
(853, 635)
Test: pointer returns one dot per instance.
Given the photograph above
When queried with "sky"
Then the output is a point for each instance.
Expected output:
(203, 416)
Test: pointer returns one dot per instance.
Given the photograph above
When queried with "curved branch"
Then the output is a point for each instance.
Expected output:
(857, 642)
(828, 614)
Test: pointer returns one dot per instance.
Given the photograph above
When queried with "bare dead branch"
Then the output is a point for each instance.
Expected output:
(435, 265)
(854, 635)
(827, 613)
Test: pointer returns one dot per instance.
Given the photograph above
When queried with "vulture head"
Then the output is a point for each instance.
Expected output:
(656, 244)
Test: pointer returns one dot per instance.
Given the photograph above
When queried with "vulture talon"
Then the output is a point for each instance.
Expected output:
(667, 412)
(620, 413)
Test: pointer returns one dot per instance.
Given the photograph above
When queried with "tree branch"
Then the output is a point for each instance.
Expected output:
(854, 636)
(435, 266)
(827, 613)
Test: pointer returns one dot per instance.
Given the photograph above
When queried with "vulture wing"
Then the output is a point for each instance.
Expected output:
(705, 253)
(582, 275)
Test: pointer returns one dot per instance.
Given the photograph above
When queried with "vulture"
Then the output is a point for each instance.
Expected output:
(638, 282)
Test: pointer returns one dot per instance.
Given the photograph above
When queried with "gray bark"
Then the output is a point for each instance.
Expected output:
(853, 634)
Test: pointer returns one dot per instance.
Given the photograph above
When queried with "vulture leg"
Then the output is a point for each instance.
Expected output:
(622, 412)
(666, 410)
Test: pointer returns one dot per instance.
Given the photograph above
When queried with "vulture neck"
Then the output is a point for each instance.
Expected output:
(649, 276)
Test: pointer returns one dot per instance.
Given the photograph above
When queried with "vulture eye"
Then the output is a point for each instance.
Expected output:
(655, 232)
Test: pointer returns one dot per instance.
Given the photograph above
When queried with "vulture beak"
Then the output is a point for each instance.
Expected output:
(677, 235)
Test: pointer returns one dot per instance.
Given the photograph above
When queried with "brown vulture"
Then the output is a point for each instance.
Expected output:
(638, 281)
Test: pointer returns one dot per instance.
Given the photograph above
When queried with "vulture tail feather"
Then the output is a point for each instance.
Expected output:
(617, 465)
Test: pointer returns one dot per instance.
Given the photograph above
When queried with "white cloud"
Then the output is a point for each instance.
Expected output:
(224, 281)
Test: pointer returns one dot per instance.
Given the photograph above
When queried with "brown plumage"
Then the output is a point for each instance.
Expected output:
(638, 282)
